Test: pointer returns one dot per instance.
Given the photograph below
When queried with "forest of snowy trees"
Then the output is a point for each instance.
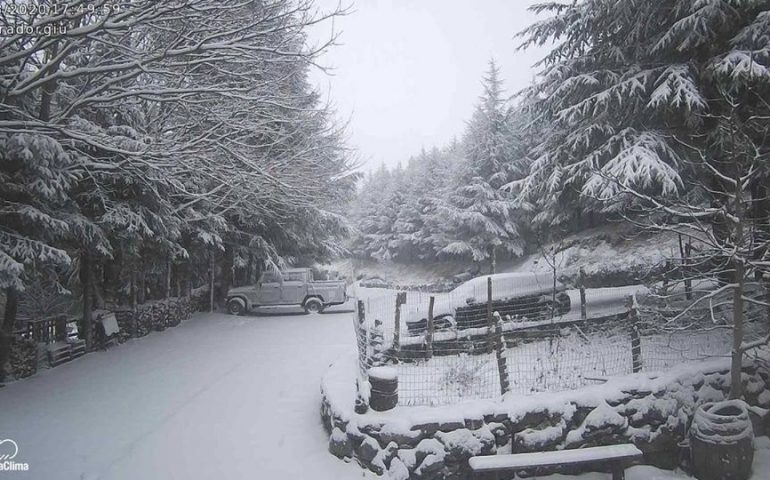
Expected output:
(449, 201)
(654, 113)
(621, 112)
(147, 140)
(145, 144)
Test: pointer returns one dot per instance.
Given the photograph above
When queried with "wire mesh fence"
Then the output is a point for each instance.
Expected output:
(519, 334)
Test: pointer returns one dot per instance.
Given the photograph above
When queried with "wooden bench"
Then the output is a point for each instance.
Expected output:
(617, 457)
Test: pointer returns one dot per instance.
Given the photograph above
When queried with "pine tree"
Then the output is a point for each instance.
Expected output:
(665, 121)
(35, 174)
(481, 216)
(620, 99)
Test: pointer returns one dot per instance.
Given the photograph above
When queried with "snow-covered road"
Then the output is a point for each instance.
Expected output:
(217, 397)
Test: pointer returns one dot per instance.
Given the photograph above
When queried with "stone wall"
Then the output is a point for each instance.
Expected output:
(653, 412)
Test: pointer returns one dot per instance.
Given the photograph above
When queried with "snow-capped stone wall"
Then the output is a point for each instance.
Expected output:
(652, 411)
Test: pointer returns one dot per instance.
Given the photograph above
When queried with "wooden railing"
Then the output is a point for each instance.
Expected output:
(48, 330)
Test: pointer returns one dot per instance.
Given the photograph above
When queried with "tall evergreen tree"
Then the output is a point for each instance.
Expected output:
(666, 118)
(481, 215)
(623, 99)
(164, 131)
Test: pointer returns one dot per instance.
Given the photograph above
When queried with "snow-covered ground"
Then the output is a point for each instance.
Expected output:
(216, 397)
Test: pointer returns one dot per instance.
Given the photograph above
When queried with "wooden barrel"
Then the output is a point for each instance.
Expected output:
(721, 441)
(384, 388)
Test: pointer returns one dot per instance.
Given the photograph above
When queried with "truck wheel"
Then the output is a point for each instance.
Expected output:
(236, 306)
(313, 305)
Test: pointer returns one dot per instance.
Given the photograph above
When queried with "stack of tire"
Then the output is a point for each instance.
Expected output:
(384, 388)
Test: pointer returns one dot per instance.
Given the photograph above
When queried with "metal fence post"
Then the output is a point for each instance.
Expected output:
(582, 282)
(429, 330)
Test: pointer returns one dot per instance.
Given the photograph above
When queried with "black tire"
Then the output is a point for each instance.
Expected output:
(313, 305)
(236, 306)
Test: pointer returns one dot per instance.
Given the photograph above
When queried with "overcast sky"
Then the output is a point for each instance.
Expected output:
(407, 73)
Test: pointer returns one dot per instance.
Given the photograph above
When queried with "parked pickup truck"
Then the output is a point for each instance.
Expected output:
(294, 286)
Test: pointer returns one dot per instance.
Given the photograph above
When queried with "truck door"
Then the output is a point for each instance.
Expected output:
(269, 289)
(294, 287)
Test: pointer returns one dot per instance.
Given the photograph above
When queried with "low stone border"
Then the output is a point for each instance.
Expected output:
(652, 411)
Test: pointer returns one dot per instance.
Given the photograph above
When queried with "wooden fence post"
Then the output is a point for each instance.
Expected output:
(636, 349)
(502, 365)
(489, 301)
(361, 313)
(361, 336)
(582, 281)
(636, 340)
(490, 319)
(429, 330)
(400, 300)
(361, 404)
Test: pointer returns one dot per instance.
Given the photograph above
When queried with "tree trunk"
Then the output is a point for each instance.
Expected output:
(133, 288)
(6, 332)
(211, 281)
(177, 280)
(684, 252)
(493, 260)
(109, 287)
(736, 367)
(141, 287)
(720, 227)
(250, 272)
(760, 216)
(168, 279)
(228, 270)
(86, 283)
(97, 288)
(49, 87)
